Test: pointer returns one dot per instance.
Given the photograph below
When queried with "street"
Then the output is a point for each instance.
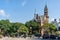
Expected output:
(10, 38)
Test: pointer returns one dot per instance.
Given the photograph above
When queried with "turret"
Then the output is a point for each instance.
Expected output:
(46, 11)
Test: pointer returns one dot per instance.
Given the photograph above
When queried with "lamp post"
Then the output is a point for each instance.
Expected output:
(30, 31)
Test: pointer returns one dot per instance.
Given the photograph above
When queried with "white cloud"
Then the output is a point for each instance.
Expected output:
(52, 19)
(23, 3)
(2, 13)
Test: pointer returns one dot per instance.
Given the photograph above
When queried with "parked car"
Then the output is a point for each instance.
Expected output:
(58, 37)
(37, 35)
(52, 36)
(45, 36)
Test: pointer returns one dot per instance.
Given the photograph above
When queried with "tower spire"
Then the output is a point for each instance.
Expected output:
(46, 14)
(45, 10)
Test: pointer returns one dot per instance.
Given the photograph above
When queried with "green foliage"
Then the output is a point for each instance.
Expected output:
(46, 25)
(23, 29)
(35, 26)
(32, 24)
(52, 27)
(8, 28)
(49, 27)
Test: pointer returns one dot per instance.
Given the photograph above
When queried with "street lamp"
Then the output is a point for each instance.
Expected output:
(30, 31)
(30, 28)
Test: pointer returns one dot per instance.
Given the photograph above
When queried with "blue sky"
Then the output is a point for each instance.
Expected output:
(23, 10)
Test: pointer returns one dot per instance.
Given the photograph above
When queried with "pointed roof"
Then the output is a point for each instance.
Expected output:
(45, 7)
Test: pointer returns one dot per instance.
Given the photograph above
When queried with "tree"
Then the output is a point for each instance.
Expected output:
(14, 28)
(45, 26)
(35, 26)
(4, 26)
(8, 28)
(23, 29)
(45, 29)
(49, 27)
(52, 28)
